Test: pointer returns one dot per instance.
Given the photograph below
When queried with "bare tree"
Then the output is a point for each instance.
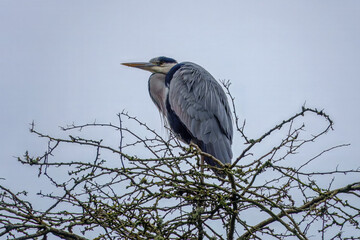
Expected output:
(147, 187)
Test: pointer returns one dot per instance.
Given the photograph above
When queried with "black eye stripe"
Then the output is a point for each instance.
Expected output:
(162, 60)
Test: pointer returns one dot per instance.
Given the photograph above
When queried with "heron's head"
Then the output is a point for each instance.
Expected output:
(155, 65)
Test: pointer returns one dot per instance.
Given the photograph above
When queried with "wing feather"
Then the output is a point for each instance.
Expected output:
(201, 104)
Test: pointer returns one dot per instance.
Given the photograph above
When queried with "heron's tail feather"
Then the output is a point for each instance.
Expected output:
(221, 150)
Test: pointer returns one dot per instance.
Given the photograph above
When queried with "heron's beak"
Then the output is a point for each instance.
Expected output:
(142, 65)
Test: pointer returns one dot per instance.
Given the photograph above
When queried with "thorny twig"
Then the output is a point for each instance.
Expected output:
(162, 195)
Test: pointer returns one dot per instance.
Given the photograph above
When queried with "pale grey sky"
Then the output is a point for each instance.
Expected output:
(60, 63)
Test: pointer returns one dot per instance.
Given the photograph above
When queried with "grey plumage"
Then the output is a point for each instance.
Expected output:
(158, 91)
(201, 104)
(194, 104)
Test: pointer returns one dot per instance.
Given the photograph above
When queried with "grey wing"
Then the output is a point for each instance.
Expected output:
(201, 104)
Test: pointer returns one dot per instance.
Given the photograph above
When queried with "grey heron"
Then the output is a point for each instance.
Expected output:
(194, 104)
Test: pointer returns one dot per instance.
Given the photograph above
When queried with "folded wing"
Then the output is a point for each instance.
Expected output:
(201, 105)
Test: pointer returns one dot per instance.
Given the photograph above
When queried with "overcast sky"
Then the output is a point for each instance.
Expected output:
(60, 63)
